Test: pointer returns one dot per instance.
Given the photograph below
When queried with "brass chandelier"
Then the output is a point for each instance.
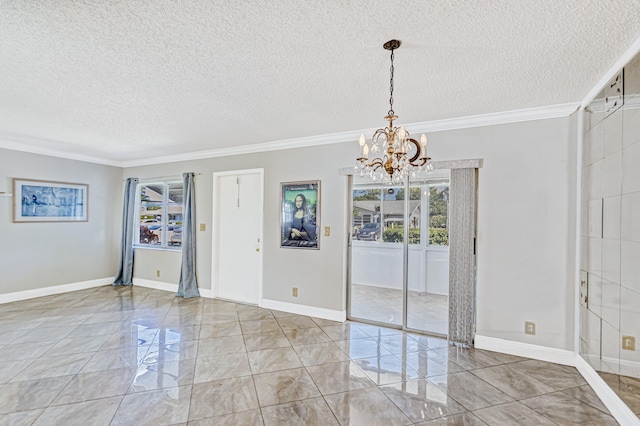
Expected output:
(401, 154)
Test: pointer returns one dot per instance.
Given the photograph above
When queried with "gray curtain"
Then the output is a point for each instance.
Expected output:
(462, 232)
(125, 273)
(188, 286)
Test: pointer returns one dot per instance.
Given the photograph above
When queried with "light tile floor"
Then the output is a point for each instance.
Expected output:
(425, 311)
(134, 356)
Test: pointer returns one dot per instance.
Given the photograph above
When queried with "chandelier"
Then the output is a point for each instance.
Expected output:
(401, 155)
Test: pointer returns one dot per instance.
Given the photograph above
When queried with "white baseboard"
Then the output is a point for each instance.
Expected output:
(56, 289)
(156, 285)
(614, 404)
(310, 311)
(159, 285)
(541, 353)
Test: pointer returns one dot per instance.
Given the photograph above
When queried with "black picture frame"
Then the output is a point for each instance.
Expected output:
(300, 215)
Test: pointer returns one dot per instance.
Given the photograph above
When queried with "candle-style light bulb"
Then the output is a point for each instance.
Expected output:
(402, 133)
(365, 151)
(423, 142)
(362, 142)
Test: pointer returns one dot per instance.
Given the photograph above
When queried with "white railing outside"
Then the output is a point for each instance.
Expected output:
(380, 265)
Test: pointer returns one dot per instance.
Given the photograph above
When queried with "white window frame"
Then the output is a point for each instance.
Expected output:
(164, 240)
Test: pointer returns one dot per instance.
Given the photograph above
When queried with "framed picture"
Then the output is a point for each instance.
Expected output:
(45, 201)
(300, 214)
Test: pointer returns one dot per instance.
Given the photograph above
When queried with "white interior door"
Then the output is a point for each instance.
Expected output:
(237, 235)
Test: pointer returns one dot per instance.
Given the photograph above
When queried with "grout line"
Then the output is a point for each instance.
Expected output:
(170, 312)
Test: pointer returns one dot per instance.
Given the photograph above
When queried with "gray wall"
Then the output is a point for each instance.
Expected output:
(38, 255)
(526, 224)
(318, 274)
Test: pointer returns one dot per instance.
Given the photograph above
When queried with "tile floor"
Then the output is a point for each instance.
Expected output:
(627, 388)
(425, 311)
(135, 356)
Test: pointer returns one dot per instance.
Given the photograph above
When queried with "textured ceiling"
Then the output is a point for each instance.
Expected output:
(130, 80)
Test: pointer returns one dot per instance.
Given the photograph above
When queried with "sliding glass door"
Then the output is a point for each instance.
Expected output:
(428, 259)
(399, 257)
(377, 259)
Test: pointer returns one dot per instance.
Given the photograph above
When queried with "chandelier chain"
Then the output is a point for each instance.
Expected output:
(397, 155)
(391, 112)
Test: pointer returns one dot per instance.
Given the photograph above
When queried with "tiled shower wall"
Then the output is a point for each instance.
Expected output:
(610, 235)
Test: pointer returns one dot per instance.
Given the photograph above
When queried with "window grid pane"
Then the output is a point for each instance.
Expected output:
(438, 215)
(160, 215)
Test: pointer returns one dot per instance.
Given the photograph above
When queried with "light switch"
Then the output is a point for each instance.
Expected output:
(203, 226)
(327, 231)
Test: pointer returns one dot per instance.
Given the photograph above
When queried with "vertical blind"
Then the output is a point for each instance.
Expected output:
(462, 233)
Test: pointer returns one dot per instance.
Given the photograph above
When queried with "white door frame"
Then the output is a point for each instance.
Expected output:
(214, 230)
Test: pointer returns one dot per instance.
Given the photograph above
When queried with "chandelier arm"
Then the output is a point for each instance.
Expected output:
(417, 154)
(380, 132)
(377, 162)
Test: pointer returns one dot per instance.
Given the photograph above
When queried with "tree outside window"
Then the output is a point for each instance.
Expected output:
(438, 215)
(386, 206)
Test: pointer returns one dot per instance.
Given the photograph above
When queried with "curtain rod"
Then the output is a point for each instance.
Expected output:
(149, 179)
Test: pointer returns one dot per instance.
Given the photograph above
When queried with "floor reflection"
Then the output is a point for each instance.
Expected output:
(426, 311)
(135, 356)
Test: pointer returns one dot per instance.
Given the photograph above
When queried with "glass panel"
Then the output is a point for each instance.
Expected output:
(376, 254)
(393, 214)
(175, 214)
(377, 259)
(366, 213)
(428, 263)
(161, 214)
(415, 213)
(151, 197)
(438, 214)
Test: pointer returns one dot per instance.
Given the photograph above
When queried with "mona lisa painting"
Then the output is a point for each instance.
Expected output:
(300, 214)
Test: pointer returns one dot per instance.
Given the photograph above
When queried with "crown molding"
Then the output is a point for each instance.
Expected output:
(498, 118)
(507, 117)
(247, 149)
(32, 149)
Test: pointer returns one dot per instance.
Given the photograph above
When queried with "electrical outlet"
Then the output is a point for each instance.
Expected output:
(203, 226)
(530, 327)
(629, 343)
(157, 272)
(327, 231)
(295, 292)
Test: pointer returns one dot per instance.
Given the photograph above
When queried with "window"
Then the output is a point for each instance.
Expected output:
(379, 213)
(161, 213)
(366, 213)
(439, 214)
